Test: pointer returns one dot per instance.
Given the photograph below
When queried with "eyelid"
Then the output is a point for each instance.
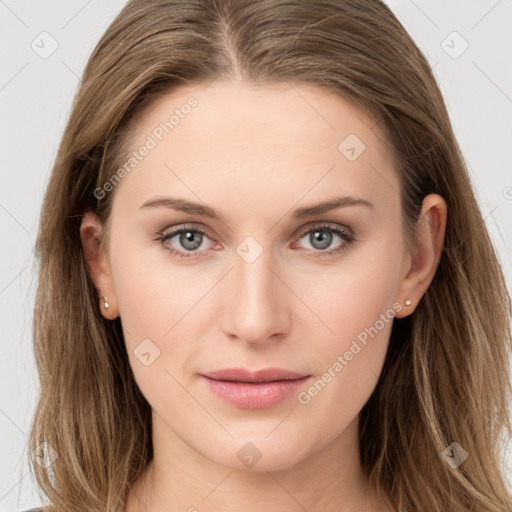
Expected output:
(298, 233)
(170, 232)
(176, 229)
(344, 232)
(327, 225)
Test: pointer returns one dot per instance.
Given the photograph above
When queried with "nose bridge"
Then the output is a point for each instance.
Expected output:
(255, 308)
(254, 280)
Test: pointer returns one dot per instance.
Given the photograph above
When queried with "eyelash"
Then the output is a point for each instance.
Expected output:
(346, 236)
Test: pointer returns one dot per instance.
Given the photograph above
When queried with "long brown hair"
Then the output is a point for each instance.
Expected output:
(445, 378)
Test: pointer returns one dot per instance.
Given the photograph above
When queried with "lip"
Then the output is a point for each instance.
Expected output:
(259, 389)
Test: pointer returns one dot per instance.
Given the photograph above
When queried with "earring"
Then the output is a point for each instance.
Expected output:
(107, 305)
(407, 302)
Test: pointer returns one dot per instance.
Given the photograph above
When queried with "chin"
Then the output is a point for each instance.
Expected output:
(260, 454)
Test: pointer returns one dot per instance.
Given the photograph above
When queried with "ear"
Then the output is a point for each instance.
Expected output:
(425, 254)
(98, 268)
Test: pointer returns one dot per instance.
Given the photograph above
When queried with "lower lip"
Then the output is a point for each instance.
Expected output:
(255, 396)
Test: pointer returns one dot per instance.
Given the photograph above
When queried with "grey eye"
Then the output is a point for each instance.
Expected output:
(190, 240)
(320, 239)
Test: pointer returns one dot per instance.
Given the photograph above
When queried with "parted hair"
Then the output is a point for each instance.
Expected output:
(446, 375)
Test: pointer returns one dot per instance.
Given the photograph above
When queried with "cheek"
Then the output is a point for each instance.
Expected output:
(152, 292)
(356, 303)
(351, 296)
(153, 308)
(160, 305)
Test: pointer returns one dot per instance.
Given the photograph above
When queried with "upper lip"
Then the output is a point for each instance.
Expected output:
(246, 375)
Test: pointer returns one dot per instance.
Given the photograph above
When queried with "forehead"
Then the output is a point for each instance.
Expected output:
(268, 140)
(264, 110)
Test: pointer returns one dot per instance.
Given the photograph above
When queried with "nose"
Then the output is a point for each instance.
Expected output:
(256, 302)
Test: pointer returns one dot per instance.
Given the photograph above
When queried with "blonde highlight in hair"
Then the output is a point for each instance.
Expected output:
(445, 377)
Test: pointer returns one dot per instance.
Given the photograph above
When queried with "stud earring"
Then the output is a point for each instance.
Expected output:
(407, 302)
(107, 305)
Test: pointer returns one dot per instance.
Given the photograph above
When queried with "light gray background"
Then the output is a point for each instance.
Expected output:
(35, 100)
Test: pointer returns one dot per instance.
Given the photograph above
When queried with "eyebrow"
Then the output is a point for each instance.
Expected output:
(186, 206)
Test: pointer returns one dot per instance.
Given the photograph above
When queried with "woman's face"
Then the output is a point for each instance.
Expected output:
(259, 278)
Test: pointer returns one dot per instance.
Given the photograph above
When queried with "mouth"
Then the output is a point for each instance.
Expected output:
(260, 389)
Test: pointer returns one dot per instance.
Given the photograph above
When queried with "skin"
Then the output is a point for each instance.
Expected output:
(255, 153)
